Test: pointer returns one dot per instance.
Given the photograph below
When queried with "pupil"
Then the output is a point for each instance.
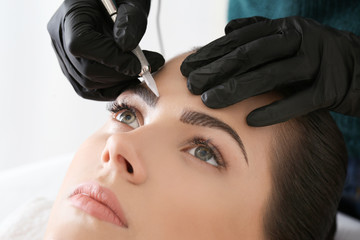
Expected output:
(127, 117)
(203, 153)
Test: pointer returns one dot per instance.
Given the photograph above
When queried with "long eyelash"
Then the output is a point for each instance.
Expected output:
(196, 141)
(114, 107)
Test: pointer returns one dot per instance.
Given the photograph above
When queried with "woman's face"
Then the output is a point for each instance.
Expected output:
(177, 168)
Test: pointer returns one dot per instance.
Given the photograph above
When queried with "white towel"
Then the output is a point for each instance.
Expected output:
(28, 222)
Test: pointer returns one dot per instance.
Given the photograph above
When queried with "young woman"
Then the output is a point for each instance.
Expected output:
(171, 168)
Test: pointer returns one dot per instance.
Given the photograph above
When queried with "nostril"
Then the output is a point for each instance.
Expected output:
(129, 168)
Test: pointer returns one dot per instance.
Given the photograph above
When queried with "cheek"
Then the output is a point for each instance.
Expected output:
(87, 157)
(184, 198)
(191, 209)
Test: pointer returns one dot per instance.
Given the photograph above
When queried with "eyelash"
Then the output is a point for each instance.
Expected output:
(115, 107)
(199, 141)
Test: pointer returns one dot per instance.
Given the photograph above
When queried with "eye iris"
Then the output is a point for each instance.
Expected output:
(127, 117)
(203, 153)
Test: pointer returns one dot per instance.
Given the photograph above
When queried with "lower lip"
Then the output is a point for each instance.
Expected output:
(95, 209)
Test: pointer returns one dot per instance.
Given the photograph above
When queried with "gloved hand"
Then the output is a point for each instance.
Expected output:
(93, 52)
(319, 66)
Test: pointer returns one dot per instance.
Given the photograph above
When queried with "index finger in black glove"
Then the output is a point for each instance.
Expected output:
(268, 115)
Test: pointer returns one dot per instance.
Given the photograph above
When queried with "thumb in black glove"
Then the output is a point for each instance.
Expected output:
(319, 65)
(93, 52)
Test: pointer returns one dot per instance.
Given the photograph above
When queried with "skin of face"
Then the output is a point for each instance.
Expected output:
(171, 193)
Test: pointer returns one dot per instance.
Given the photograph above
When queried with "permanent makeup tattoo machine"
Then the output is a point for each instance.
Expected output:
(145, 74)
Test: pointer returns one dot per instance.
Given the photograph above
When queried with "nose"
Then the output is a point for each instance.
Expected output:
(120, 157)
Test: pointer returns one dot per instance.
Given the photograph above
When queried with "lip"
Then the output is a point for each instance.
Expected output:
(99, 202)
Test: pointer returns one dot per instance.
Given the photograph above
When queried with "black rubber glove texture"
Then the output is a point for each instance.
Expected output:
(93, 52)
(317, 66)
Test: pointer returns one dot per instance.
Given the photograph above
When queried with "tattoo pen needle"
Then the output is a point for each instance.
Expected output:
(145, 74)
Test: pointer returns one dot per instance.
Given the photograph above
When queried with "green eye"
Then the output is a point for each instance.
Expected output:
(129, 118)
(204, 154)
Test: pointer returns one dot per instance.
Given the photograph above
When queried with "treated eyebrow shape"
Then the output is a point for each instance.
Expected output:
(144, 93)
(204, 120)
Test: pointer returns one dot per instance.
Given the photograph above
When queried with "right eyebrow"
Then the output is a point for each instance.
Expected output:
(144, 93)
(204, 120)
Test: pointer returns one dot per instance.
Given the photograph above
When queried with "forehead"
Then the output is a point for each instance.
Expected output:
(172, 86)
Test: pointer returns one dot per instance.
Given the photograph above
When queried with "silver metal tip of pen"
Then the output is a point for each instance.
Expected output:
(150, 82)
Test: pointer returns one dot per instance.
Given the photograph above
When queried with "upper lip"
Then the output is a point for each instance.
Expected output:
(103, 195)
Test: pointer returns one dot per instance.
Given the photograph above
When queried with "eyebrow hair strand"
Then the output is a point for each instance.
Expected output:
(144, 93)
(204, 120)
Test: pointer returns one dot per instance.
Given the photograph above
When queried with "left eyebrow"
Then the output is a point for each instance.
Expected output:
(204, 120)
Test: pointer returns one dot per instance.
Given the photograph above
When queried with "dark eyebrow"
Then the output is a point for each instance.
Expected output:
(144, 93)
(204, 120)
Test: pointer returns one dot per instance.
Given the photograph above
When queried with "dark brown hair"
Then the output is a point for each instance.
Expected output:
(308, 168)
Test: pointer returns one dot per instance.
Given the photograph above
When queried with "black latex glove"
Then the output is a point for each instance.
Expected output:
(318, 64)
(93, 52)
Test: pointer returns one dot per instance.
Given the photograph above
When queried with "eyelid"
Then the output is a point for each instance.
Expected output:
(115, 108)
(200, 141)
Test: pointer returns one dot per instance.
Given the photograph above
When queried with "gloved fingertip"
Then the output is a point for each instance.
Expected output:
(190, 63)
(156, 60)
(211, 100)
(253, 121)
(157, 64)
(260, 118)
(184, 69)
(192, 88)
